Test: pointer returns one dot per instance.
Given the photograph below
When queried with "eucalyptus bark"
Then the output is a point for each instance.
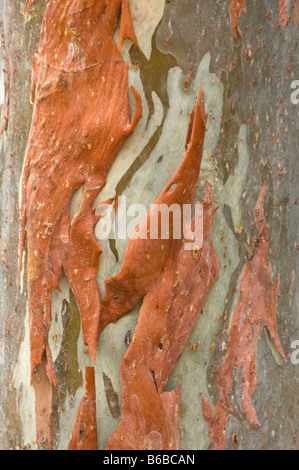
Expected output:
(245, 55)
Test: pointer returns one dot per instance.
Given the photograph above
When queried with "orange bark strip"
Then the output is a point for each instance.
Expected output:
(235, 9)
(175, 282)
(84, 435)
(127, 29)
(79, 85)
(150, 416)
(43, 405)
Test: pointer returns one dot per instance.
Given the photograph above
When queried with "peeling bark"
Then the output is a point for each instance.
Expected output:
(43, 405)
(79, 87)
(217, 424)
(255, 311)
(235, 9)
(284, 13)
(145, 257)
(175, 282)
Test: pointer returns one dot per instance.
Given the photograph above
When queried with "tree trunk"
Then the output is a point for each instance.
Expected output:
(197, 348)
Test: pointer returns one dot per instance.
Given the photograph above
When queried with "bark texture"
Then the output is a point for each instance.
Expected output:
(176, 102)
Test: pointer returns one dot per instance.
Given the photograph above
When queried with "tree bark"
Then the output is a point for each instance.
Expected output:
(235, 379)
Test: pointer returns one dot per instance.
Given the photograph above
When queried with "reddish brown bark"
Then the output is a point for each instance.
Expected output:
(144, 258)
(284, 13)
(175, 282)
(235, 9)
(80, 85)
(80, 122)
(43, 405)
(255, 311)
(84, 435)
(217, 424)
